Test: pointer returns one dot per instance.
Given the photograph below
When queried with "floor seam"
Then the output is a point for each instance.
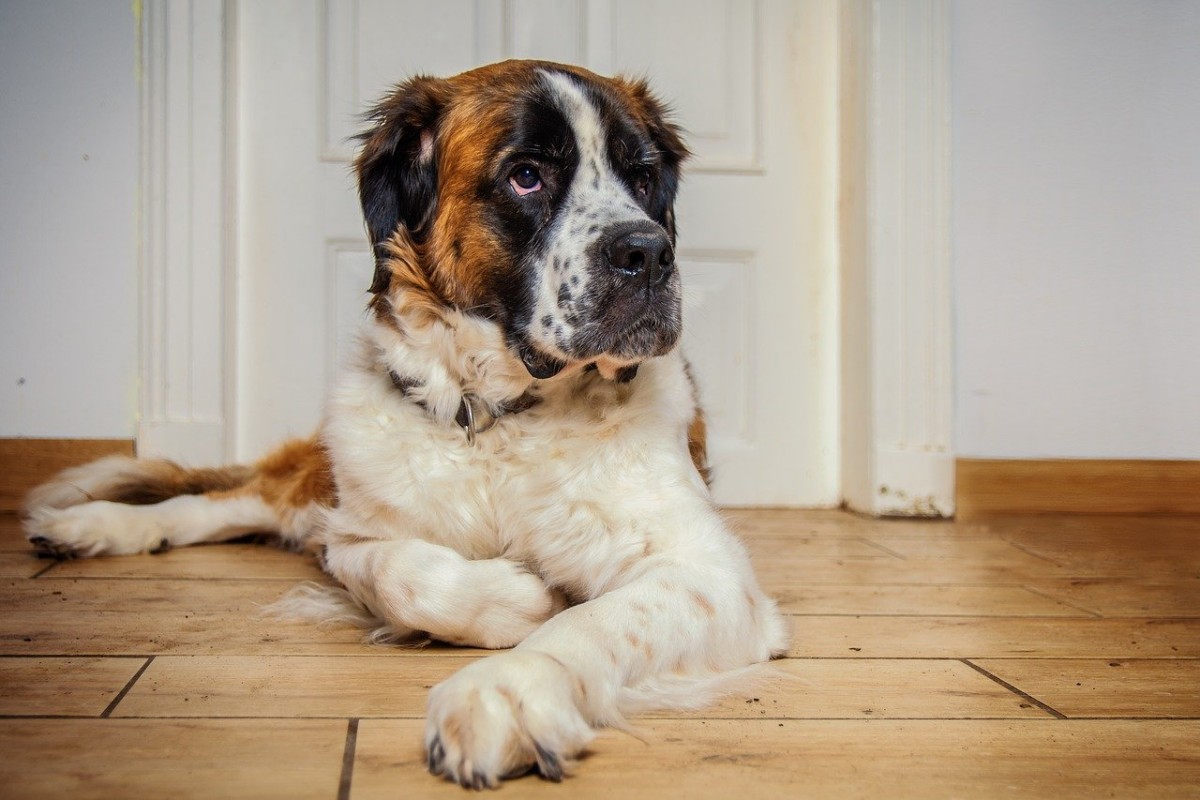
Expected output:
(44, 570)
(125, 690)
(1088, 611)
(883, 548)
(1029, 552)
(347, 775)
(1019, 692)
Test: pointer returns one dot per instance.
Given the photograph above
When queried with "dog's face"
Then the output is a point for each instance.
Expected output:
(539, 196)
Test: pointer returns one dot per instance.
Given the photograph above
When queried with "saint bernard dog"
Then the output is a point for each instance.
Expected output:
(515, 457)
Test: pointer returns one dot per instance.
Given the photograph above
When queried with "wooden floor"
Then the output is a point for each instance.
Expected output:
(1053, 657)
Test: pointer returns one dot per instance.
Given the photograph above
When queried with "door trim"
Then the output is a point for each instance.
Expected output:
(897, 370)
(187, 230)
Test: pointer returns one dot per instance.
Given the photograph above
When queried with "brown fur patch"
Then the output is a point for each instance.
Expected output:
(464, 256)
(705, 604)
(697, 433)
(698, 445)
(293, 477)
(159, 480)
(411, 292)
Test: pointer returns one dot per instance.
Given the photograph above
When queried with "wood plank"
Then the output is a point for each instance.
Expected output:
(258, 562)
(103, 759)
(803, 547)
(1059, 535)
(21, 565)
(788, 523)
(867, 689)
(1107, 687)
(12, 537)
(993, 637)
(62, 686)
(98, 616)
(24, 463)
(389, 684)
(833, 758)
(1001, 486)
(397, 685)
(919, 600)
(1111, 546)
(1128, 597)
(782, 572)
(991, 551)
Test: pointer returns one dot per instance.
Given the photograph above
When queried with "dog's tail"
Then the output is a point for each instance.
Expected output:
(133, 481)
(128, 505)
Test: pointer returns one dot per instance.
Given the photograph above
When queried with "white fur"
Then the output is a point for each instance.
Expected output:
(101, 527)
(81, 484)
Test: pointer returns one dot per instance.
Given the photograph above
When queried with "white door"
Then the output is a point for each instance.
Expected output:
(749, 80)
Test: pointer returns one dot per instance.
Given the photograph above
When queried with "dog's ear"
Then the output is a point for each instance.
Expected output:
(397, 165)
(668, 138)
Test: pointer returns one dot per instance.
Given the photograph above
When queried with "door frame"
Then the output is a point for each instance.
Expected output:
(892, 68)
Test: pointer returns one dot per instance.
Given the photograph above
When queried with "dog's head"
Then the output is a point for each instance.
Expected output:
(537, 195)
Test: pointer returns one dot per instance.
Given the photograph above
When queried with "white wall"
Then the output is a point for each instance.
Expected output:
(1077, 228)
(1076, 224)
(68, 255)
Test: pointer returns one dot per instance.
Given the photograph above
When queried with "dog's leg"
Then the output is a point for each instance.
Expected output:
(102, 527)
(677, 623)
(416, 585)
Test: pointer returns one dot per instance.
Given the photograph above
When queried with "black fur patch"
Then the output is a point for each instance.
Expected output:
(396, 186)
(626, 374)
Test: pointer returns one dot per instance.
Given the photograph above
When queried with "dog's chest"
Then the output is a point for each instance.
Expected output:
(573, 487)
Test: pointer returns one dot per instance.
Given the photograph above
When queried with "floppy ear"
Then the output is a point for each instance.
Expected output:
(397, 165)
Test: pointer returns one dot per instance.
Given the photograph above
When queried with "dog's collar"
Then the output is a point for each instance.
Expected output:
(472, 409)
(474, 416)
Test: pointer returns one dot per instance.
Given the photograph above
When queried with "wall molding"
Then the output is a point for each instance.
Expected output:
(897, 382)
(24, 462)
(187, 230)
(991, 487)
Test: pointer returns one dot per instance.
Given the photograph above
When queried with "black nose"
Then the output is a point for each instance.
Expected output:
(643, 254)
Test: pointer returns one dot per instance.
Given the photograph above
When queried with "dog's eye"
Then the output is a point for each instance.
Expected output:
(641, 181)
(525, 179)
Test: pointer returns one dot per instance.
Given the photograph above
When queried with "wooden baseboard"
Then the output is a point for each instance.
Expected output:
(989, 487)
(24, 463)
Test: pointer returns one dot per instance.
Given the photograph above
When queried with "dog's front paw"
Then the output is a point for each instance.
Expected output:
(93, 529)
(502, 717)
(509, 603)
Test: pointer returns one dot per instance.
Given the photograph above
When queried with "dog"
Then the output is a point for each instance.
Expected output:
(514, 456)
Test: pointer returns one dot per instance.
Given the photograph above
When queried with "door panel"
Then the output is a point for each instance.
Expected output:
(756, 209)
